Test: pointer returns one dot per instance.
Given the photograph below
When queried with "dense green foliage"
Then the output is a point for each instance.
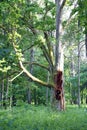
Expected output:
(20, 21)
(30, 117)
(28, 25)
(27, 38)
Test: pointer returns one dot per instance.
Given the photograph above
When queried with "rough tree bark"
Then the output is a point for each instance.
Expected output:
(59, 55)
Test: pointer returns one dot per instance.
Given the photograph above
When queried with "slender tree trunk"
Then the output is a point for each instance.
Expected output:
(0, 94)
(7, 87)
(52, 97)
(86, 43)
(29, 95)
(47, 94)
(86, 100)
(31, 71)
(82, 97)
(47, 90)
(3, 102)
(35, 98)
(72, 73)
(10, 101)
(79, 98)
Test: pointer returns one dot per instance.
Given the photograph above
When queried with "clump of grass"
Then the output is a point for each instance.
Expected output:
(30, 117)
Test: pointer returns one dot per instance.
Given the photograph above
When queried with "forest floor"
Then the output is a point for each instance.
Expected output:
(28, 117)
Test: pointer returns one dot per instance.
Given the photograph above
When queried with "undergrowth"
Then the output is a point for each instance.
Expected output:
(30, 117)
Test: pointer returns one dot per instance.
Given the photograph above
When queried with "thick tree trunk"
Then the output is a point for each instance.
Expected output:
(59, 90)
(59, 58)
(58, 21)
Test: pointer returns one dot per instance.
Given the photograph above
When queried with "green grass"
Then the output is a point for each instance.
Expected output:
(30, 117)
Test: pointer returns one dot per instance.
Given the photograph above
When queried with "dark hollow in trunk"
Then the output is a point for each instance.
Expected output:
(59, 93)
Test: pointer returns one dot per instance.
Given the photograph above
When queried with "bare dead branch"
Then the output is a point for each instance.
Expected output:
(28, 48)
(35, 63)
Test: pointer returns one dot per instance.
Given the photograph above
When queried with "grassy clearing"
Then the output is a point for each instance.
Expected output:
(30, 117)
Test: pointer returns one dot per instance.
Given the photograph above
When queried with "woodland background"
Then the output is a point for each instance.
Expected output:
(27, 50)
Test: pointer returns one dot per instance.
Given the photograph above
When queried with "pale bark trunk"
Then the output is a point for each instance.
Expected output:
(58, 21)
(59, 49)
(79, 98)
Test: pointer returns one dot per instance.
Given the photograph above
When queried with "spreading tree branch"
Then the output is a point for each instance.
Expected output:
(34, 63)
(28, 48)
(46, 54)
(30, 75)
(62, 5)
(16, 76)
(33, 77)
